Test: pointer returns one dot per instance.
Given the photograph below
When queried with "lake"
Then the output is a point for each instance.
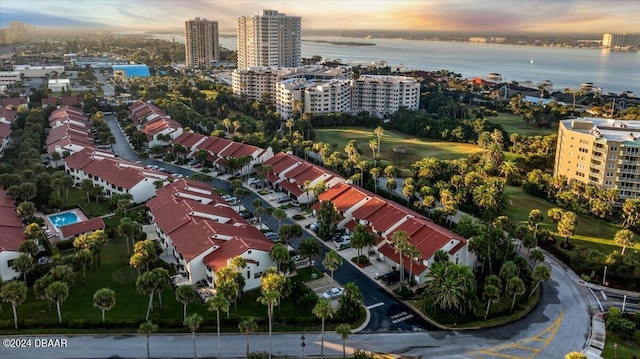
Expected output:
(613, 71)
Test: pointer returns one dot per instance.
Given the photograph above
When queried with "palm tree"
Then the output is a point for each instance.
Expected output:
(86, 185)
(279, 214)
(193, 321)
(492, 294)
(567, 225)
(516, 287)
(217, 303)
(450, 287)
(127, 230)
(57, 292)
(104, 299)
(373, 145)
(555, 214)
(23, 264)
(344, 330)
(185, 295)
(147, 328)
(332, 261)
(323, 311)
(248, 327)
(375, 173)
(310, 249)
(280, 255)
(536, 255)
(83, 257)
(379, 131)
(540, 273)
(14, 293)
(400, 241)
(535, 218)
(270, 298)
(144, 285)
(624, 238)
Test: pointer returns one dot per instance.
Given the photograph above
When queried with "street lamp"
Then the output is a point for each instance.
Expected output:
(302, 338)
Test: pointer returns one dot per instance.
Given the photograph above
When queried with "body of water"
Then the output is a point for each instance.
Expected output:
(565, 67)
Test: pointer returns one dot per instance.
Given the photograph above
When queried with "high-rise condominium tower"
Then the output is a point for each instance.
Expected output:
(270, 39)
(201, 46)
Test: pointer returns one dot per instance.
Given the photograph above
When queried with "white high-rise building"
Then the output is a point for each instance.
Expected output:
(201, 45)
(269, 40)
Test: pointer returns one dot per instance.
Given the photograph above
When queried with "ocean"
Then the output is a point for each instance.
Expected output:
(612, 71)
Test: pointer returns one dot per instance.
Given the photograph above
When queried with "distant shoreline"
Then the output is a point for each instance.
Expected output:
(341, 43)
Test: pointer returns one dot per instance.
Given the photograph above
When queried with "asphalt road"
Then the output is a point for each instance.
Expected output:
(560, 323)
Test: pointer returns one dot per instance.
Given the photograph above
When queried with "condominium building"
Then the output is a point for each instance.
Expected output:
(201, 45)
(317, 89)
(313, 96)
(620, 40)
(602, 152)
(383, 95)
(270, 39)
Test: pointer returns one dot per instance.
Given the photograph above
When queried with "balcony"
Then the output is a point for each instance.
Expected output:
(628, 171)
(629, 162)
(630, 153)
(627, 180)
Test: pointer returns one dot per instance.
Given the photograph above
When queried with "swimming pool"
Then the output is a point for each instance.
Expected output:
(63, 219)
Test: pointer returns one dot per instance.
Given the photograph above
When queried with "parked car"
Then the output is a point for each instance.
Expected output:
(246, 214)
(295, 203)
(315, 226)
(252, 181)
(197, 165)
(333, 293)
(284, 199)
(342, 242)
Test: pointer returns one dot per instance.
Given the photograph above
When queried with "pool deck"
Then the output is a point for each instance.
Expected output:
(51, 231)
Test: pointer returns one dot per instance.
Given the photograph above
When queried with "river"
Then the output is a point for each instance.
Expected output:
(612, 71)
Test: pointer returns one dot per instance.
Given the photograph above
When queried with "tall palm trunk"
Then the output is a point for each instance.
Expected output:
(149, 306)
(59, 313)
(193, 338)
(322, 340)
(270, 318)
(218, 323)
(486, 313)
(15, 315)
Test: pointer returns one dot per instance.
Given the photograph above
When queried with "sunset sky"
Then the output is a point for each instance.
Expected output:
(583, 16)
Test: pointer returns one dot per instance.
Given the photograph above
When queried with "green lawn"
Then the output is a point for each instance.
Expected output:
(625, 349)
(78, 197)
(418, 147)
(515, 124)
(211, 94)
(590, 232)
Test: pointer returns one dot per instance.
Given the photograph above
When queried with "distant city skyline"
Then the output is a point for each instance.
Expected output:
(567, 16)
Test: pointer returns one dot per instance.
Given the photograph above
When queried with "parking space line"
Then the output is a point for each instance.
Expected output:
(380, 304)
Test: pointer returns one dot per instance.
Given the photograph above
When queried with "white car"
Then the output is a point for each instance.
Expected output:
(252, 181)
(333, 293)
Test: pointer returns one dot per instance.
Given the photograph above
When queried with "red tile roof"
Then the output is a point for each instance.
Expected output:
(390, 253)
(114, 170)
(291, 187)
(14, 101)
(11, 228)
(237, 246)
(64, 100)
(9, 115)
(188, 139)
(82, 227)
(5, 130)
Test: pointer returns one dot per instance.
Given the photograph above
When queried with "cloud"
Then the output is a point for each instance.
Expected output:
(434, 15)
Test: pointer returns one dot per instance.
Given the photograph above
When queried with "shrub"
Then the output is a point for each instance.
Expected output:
(403, 292)
(360, 259)
(298, 217)
(622, 327)
(65, 245)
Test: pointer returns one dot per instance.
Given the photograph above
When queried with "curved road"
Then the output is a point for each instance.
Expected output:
(560, 323)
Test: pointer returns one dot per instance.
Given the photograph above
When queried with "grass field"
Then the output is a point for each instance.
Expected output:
(418, 147)
(78, 197)
(590, 232)
(515, 124)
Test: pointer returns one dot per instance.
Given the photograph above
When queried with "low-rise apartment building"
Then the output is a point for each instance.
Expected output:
(203, 233)
(11, 236)
(114, 174)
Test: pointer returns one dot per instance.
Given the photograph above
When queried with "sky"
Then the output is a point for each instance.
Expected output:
(563, 16)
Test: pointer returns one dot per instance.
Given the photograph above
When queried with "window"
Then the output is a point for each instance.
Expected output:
(611, 166)
(609, 174)
(607, 183)
(613, 148)
(613, 157)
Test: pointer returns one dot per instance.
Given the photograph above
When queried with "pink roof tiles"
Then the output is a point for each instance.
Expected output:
(114, 170)
(82, 227)
(188, 139)
(196, 227)
(11, 228)
(7, 114)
